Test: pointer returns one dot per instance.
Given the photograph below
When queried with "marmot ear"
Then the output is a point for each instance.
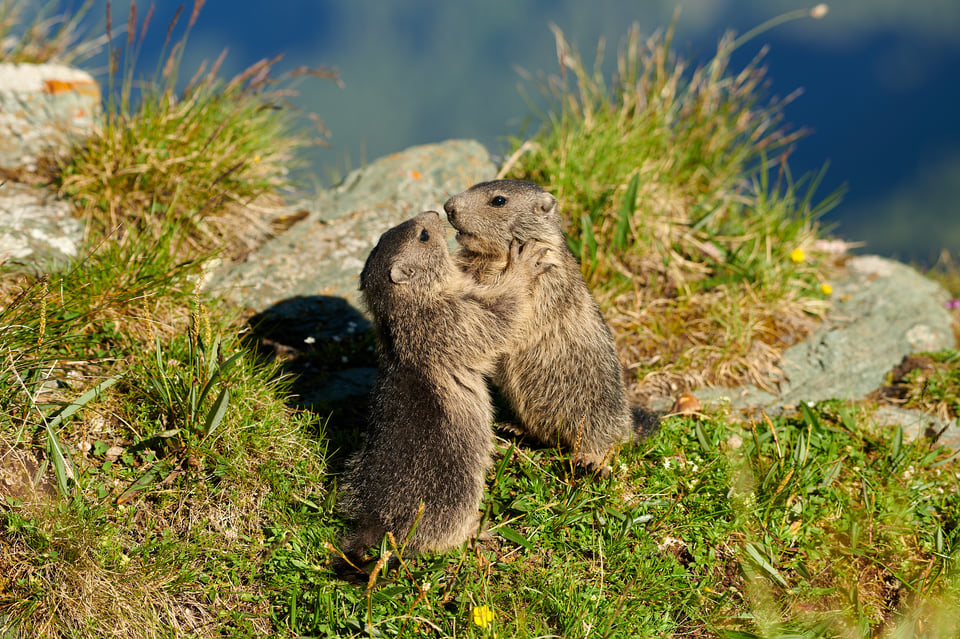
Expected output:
(401, 274)
(547, 203)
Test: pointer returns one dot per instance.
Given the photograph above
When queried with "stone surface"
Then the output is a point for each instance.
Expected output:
(324, 253)
(917, 423)
(883, 310)
(35, 227)
(303, 283)
(42, 107)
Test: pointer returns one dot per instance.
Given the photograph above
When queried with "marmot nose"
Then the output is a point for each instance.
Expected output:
(451, 210)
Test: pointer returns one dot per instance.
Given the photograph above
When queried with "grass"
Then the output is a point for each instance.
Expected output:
(681, 206)
(158, 479)
(237, 138)
(55, 39)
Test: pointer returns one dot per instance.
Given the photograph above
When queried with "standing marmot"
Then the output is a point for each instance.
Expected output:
(561, 375)
(439, 334)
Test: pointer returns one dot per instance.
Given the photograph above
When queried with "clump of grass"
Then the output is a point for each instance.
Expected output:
(936, 389)
(696, 239)
(212, 154)
(43, 39)
(168, 467)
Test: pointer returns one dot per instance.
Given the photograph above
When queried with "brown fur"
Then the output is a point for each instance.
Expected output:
(561, 375)
(429, 441)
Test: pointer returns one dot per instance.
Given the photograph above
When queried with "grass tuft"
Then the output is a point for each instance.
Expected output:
(681, 208)
(236, 138)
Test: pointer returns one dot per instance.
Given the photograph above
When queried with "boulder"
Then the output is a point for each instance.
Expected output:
(323, 254)
(36, 229)
(883, 310)
(42, 108)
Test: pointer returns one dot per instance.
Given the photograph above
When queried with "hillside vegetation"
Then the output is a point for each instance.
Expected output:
(157, 479)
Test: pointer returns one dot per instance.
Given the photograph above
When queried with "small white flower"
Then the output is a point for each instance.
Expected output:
(309, 340)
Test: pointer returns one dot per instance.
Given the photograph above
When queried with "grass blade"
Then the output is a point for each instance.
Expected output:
(761, 561)
(62, 468)
(588, 245)
(510, 534)
(217, 412)
(627, 207)
(81, 401)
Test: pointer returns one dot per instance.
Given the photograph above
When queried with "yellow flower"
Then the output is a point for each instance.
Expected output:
(797, 255)
(826, 289)
(482, 616)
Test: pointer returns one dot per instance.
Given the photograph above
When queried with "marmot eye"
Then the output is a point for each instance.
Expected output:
(498, 201)
(424, 236)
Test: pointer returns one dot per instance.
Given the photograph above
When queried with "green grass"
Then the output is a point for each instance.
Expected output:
(236, 138)
(157, 478)
(681, 206)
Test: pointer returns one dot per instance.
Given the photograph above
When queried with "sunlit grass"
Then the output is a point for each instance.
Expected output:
(186, 497)
(680, 204)
(237, 140)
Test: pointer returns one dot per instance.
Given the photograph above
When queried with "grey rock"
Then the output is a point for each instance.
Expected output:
(36, 229)
(324, 253)
(917, 423)
(43, 107)
(303, 283)
(884, 310)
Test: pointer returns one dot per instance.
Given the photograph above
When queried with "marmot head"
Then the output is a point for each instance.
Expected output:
(489, 215)
(412, 256)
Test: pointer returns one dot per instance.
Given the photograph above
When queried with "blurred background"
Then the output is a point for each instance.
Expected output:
(879, 83)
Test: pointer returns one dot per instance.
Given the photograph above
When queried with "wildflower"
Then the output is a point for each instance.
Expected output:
(953, 304)
(416, 175)
(797, 255)
(482, 616)
(826, 289)
(310, 339)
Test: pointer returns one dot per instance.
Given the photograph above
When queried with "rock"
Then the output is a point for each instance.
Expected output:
(36, 229)
(303, 283)
(42, 108)
(917, 423)
(324, 253)
(883, 311)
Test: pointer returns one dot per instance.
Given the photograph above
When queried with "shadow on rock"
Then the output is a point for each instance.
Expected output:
(326, 348)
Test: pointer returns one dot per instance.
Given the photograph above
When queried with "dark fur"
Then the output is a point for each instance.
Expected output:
(561, 375)
(429, 442)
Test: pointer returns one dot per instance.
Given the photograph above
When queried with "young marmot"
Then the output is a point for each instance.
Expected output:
(430, 438)
(561, 374)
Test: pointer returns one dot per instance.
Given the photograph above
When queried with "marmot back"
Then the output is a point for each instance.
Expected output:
(429, 440)
(561, 375)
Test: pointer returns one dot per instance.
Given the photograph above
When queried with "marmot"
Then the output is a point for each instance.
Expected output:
(430, 436)
(561, 375)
